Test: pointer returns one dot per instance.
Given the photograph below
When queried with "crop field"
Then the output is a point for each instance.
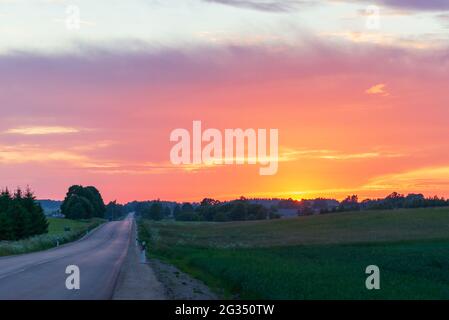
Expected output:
(314, 257)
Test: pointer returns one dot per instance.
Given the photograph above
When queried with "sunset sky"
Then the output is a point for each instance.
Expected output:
(359, 109)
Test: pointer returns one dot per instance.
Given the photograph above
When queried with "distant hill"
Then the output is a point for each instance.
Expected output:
(50, 206)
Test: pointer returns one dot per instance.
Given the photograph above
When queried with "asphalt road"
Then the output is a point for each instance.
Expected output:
(41, 275)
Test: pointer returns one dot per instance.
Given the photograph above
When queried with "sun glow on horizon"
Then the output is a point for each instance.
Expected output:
(358, 110)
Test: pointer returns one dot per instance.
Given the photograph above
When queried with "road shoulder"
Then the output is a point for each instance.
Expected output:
(136, 280)
(179, 285)
(155, 280)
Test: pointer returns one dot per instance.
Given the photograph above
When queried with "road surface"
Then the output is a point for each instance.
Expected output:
(41, 275)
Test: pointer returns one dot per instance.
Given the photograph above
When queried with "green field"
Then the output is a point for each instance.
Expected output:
(56, 234)
(56, 225)
(315, 257)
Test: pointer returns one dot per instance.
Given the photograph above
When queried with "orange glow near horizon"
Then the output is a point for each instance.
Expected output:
(366, 122)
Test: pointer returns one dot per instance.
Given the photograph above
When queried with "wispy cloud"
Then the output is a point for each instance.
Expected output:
(163, 167)
(416, 5)
(444, 18)
(338, 155)
(428, 178)
(262, 5)
(378, 89)
(24, 153)
(387, 39)
(426, 5)
(42, 130)
(366, 155)
(34, 153)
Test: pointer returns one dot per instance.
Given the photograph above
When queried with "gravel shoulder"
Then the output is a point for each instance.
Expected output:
(179, 285)
(155, 280)
(136, 280)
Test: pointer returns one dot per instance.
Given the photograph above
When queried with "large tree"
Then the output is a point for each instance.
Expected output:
(83, 203)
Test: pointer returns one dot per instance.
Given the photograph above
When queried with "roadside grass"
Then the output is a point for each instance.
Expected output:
(317, 257)
(78, 228)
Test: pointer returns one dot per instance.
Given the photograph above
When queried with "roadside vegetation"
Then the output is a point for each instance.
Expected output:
(60, 231)
(312, 257)
(20, 215)
(25, 228)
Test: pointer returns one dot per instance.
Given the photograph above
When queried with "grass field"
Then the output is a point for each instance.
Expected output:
(316, 257)
(56, 225)
(56, 233)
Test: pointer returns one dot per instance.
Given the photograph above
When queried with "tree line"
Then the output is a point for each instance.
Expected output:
(115, 211)
(352, 203)
(393, 201)
(154, 210)
(260, 208)
(20, 215)
(208, 210)
(214, 210)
